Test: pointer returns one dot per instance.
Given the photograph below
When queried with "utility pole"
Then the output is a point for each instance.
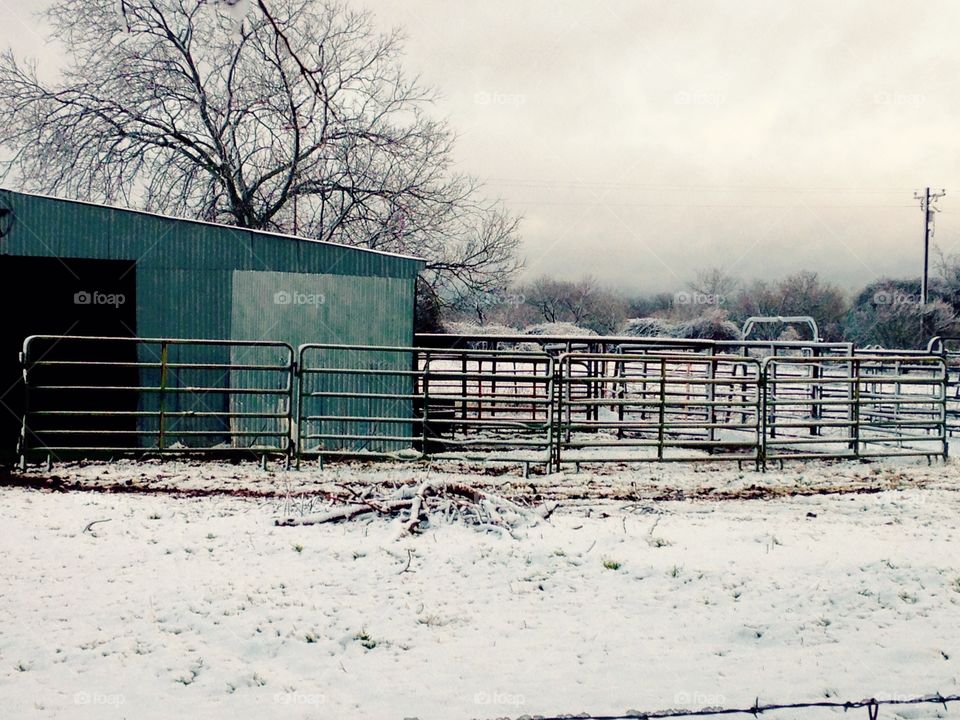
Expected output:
(927, 199)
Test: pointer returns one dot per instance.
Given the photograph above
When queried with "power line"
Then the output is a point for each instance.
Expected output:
(586, 203)
(588, 185)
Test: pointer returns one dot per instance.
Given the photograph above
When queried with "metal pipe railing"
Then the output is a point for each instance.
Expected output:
(453, 403)
(95, 394)
(86, 394)
(662, 407)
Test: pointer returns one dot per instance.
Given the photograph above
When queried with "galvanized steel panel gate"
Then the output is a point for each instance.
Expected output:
(115, 395)
(620, 407)
(855, 407)
(362, 400)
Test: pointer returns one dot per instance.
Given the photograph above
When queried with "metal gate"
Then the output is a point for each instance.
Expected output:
(854, 407)
(361, 400)
(615, 407)
(116, 395)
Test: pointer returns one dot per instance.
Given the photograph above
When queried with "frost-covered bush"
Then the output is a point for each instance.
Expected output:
(558, 328)
(465, 328)
(790, 334)
(889, 314)
(649, 327)
(712, 326)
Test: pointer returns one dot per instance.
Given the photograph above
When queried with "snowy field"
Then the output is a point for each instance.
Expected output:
(649, 588)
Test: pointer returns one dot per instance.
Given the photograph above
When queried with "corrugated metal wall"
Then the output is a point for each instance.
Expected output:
(200, 280)
(356, 311)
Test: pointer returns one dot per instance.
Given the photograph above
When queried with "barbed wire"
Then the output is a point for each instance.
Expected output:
(872, 706)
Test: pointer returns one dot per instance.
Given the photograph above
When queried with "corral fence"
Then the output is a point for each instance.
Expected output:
(856, 407)
(558, 344)
(542, 401)
(624, 407)
(361, 401)
(949, 349)
(112, 395)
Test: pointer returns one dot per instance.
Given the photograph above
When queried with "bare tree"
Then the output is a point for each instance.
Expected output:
(802, 293)
(294, 117)
(583, 302)
(581, 299)
(715, 282)
(710, 290)
(548, 296)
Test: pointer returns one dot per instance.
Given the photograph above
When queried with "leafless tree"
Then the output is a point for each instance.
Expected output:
(715, 282)
(583, 302)
(292, 116)
(802, 293)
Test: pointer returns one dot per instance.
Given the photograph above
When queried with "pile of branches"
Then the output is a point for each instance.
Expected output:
(415, 505)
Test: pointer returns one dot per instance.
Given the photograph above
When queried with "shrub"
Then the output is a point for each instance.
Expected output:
(649, 327)
(558, 328)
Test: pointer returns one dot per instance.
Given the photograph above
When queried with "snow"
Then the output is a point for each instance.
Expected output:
(199, 606)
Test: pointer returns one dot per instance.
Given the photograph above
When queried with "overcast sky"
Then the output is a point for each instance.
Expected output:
(644, 139)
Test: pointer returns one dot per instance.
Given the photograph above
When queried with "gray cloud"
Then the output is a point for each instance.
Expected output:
(642, 140)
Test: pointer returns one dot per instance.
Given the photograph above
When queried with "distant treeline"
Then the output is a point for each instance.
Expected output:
(886, 313)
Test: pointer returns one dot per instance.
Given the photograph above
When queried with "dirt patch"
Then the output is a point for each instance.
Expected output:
(336, 485)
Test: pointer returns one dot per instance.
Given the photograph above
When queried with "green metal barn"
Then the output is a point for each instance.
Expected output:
(76, 268)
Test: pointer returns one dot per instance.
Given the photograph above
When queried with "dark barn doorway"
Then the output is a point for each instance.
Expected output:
(68, 296)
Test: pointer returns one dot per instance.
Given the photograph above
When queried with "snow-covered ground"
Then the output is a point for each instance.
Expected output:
(198, 606)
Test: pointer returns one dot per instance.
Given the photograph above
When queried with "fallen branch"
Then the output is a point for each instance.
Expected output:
(451, 501)
(94, 522)
(345, 513)
(409, 560)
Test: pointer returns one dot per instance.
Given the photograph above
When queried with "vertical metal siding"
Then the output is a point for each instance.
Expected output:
(355, 310)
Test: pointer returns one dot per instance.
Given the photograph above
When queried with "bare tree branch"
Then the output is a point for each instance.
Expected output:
(296, 117)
